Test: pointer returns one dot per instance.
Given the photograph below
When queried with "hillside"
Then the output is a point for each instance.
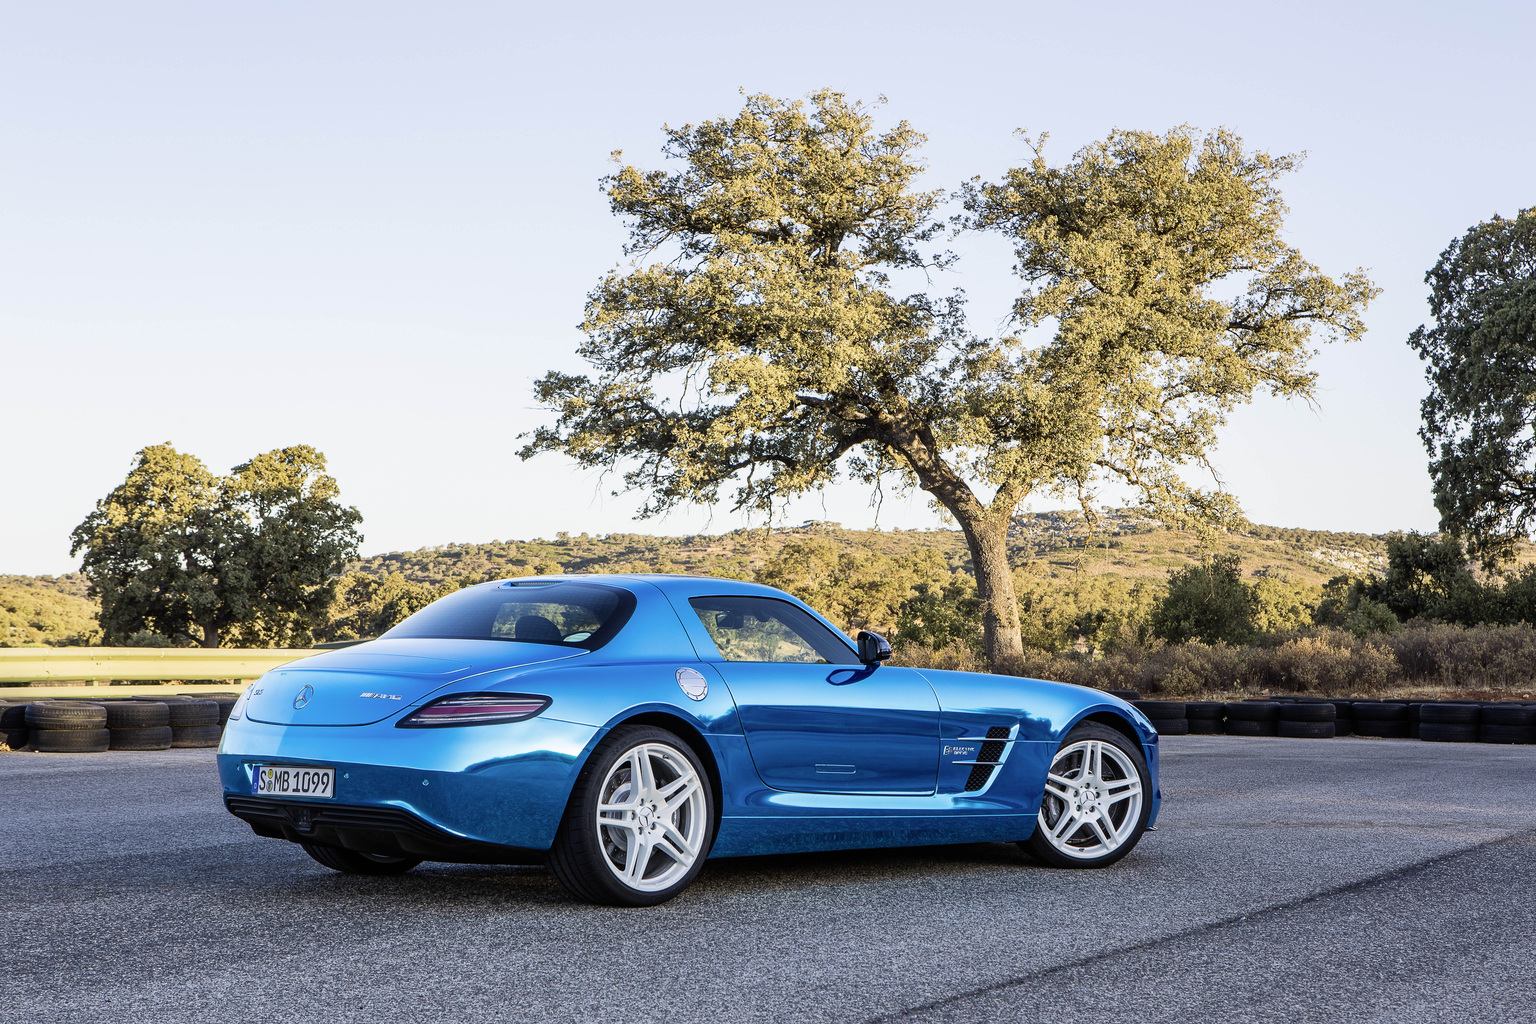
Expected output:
(45, 610)
(1058, 548)
(1122, 542)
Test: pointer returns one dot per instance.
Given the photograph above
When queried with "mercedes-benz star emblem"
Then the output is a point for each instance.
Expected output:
(303, 697)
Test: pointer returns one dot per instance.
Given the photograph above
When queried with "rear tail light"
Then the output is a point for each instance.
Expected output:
(475, 709)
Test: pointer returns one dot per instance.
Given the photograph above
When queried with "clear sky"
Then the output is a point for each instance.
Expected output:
(368, 226)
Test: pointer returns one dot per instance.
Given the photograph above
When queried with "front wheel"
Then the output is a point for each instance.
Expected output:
(1096, 802)
(640, 821)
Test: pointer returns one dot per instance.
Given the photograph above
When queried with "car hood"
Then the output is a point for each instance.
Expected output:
(371, 682)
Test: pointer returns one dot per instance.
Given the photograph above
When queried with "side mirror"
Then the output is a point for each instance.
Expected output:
(873, 648)
(730, 620)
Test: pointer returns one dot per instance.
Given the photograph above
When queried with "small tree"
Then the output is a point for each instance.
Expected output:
(248, 558)
(773, 317)
(1480, 415)
(1207, 602)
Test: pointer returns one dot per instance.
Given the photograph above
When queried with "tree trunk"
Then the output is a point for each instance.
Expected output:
(988, 540)
(211, 633)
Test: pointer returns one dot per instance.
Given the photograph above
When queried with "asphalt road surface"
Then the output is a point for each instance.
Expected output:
(1290, 880)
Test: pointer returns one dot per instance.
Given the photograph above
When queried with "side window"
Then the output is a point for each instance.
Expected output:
(762, 629)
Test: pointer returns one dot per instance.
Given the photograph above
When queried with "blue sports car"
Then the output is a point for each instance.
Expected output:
(621, 729)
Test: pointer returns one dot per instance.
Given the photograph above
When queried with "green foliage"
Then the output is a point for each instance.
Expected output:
(1127, 248)
(366, 605)
(243, 560)
(1430, 578)
(1347, 604)
(856, 589)
(770, 312)
(942, 616)
(1480, 415)
(1209, 603)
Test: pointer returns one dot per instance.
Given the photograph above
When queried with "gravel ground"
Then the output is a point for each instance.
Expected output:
(1290, 880)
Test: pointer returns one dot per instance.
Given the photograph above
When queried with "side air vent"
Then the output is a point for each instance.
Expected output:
(991, 754)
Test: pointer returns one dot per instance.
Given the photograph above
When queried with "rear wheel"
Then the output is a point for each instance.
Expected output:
(640, 821)
(353, 862)
(1096, 802)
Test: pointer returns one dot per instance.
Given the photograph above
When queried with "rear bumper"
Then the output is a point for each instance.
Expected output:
(477, 791)
(383, 830)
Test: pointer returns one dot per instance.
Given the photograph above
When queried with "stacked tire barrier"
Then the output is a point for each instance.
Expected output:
(1437, 721)
(77, 725)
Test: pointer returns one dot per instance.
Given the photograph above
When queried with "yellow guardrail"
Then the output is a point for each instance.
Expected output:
(22, 665)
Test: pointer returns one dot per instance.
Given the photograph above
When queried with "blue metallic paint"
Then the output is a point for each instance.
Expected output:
(509, 784)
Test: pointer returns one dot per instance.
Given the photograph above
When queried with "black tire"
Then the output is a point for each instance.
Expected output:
(1039, 846)
(1343, 726)
(1207, 709)
(1509, 714)
(1204, 726)
(195, 735)
(150, 737)
(1305, 730)
(137, 714)
(1308, 712)
(225, 701)
(579, 858)
(1252, 711)
(1442, 732)
(13, 716)
(15, 738)
(1493, 733)
(1156, 709)
(351, 862)
(1450, 714)
(71, 741)
(1249, 727)
(1126, 695)
(192, 712)
(62, 715)
(1171, 726)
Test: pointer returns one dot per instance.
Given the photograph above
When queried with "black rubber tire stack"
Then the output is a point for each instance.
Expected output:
(1252, 717)
(68, 727)
(1168, 716)
(1125, 694)
(1307, 720)
(13, 724)
(1204, 717)
(1380, 718)
(1449, 722)
(225, 701)
(194, 723)
(1507, 723)
(139, 725)
(1343, 717)
(1413, 707)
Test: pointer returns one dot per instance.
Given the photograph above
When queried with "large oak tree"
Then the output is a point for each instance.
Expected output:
(1480, 414)
(758, 336)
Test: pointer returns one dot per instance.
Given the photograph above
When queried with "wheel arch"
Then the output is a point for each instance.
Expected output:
(1119, 723)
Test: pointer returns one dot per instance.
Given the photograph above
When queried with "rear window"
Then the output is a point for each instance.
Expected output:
(560, 614)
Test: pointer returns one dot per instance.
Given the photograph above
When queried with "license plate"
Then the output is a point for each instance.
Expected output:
(293, 780)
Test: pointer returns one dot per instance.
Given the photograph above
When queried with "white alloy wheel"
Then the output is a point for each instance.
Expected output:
(1093, 801)
(652, 818)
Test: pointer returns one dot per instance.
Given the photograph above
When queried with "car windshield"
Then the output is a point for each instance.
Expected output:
(563, 614)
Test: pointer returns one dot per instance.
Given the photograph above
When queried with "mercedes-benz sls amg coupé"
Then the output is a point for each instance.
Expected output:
(622, 729)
